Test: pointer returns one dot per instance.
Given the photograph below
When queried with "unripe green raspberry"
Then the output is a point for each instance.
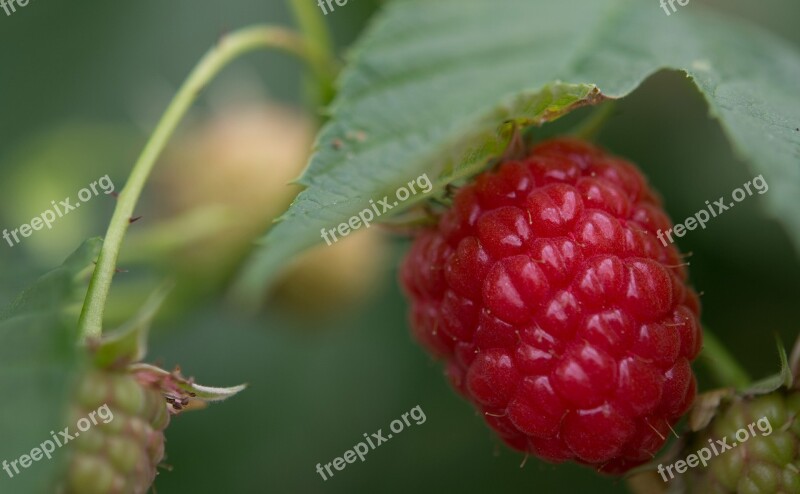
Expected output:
(114, 435)
(119, 452)
(767, 462)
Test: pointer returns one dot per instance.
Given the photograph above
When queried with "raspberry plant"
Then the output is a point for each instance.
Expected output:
(539, 280)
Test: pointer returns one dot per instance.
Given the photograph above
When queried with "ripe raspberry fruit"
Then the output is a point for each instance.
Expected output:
(121, 452)
(766, 456)
(561, 316)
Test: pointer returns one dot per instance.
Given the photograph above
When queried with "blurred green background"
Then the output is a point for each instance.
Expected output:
(81, 85)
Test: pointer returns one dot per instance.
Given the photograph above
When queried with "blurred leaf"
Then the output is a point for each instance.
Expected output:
(432, 83)
(794, 362)
(706, 406)
(38, 358)
(56, 163)
(55, 289)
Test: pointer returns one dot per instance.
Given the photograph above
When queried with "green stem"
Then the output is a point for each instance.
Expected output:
(312, 25)
(594, 123)
(227, 49)
(722, 364)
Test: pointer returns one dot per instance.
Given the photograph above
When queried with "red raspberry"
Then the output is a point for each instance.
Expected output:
(560, 314)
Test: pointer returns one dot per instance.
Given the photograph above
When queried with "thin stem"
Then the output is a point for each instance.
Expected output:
(313, 28)
(312, 25)
(722, 364)
(227, 49)
(594, 123)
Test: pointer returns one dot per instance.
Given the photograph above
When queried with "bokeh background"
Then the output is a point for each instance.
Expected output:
(82, 84)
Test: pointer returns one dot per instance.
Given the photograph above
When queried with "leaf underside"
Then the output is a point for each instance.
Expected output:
(433, 87)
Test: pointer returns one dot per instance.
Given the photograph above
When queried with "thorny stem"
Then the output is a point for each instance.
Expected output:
(229, 48)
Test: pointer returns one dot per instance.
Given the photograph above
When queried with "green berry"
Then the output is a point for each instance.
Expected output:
(120, 452)
(766, 462)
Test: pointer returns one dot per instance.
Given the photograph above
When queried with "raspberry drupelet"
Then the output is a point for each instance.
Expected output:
(560, 315)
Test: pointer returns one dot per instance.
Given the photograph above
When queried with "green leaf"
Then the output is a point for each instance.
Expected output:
(433, 86)
(38, 359)
(53, 290)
